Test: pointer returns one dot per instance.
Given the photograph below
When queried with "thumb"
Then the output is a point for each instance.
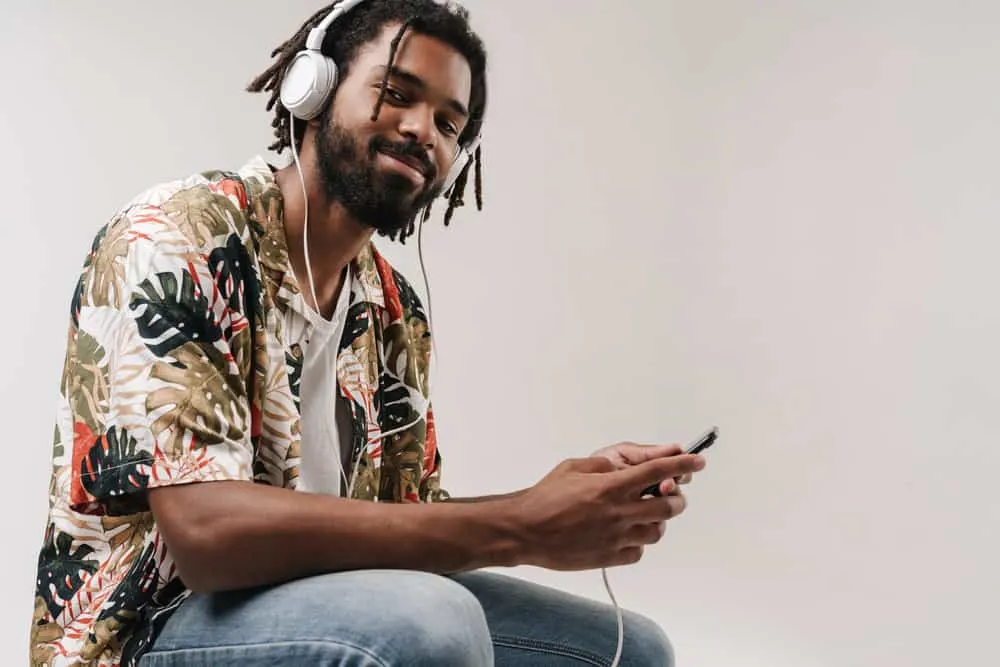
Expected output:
(636, 454)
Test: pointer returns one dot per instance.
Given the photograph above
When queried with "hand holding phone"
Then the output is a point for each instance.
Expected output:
(696, 447)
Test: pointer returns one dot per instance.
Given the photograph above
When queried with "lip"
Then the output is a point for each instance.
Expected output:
(405, 164)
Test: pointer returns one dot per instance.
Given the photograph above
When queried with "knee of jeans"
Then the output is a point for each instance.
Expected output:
(442, 623)
(646, 643)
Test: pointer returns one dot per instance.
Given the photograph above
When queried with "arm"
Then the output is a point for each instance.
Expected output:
(227, 535)
(178, 374)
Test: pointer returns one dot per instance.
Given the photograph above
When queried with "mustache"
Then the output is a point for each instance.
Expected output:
(404, 149)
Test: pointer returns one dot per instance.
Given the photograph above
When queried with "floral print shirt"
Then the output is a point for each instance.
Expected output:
(176, 371)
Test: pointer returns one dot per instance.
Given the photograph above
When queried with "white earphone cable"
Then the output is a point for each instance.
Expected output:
(618, 614)
(305, 208)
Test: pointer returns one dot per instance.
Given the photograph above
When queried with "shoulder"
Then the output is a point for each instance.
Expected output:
(173, 224)
(203, 207)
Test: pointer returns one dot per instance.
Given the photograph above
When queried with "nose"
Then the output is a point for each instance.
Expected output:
(417, 125)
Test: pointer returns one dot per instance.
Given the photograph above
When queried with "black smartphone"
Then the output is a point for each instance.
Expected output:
(696, 447)
(704, 442)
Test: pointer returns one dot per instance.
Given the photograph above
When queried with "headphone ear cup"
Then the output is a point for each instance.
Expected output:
(457, 166)
(307, 84)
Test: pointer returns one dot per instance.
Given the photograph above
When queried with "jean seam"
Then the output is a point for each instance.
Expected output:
(300, 642)
(551, 648)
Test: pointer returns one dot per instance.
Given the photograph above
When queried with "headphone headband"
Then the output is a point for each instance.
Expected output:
(316, 36)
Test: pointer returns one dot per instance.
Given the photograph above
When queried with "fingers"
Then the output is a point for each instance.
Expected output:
(652, 510)
(685, 479)
(646, 533)
(633, 480)
(635, 454)
(627, 556)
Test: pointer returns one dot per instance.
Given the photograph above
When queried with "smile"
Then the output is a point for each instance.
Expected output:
(408, 166)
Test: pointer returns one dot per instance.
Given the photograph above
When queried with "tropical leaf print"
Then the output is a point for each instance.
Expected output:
(127, 531)
(199, 398)
(293, 362)
(81, 285)
(62, 569)
(113, 467)
(408, 297)
(155, 616)
(44, 632)
(238, 284)
(395, 408)
(281, 412)
(232, 269)
(357, 324)
(136, 588)
(203, 215)
(129, 376)
(107, 265)
(120, 611)
(168, 313)
(86, 380)
(77, 301)
(407, 352)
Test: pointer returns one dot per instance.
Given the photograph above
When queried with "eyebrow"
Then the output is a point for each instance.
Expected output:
(417, 82)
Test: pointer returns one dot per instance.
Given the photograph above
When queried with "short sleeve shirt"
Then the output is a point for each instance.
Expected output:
(178, 370)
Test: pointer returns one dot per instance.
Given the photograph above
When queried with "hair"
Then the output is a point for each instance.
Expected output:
(446, 22)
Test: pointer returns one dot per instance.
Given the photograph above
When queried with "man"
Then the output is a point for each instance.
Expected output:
(245, 374)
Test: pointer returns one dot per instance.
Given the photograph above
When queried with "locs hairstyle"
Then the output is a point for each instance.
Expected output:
(361, 25)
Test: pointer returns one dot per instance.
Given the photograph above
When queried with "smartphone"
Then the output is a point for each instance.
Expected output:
(704, 442)
(696, 447)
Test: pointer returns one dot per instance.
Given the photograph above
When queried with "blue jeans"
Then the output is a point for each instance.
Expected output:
(388, 618)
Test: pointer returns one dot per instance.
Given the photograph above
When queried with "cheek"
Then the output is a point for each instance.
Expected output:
(358, 123)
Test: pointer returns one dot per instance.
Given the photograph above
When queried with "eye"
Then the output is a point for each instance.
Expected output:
(395, 96)
(448, 127)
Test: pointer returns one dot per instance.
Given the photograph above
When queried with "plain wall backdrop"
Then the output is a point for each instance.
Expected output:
(776, 216)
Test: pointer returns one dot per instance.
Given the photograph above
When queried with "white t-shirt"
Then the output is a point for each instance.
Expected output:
(326, 420)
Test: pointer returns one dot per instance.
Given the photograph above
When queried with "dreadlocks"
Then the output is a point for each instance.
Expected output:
(347, 35)
(388, 70)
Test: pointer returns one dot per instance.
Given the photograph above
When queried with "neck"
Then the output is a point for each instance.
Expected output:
(335, 237)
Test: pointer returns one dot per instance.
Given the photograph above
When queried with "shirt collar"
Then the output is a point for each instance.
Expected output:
(265, 207)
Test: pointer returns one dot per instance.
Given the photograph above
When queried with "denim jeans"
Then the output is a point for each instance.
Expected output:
(388, 618)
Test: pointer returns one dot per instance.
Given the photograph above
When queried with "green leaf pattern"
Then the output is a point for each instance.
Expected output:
(177, 371)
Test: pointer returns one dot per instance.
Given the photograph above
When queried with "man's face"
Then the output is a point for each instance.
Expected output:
(384, 171)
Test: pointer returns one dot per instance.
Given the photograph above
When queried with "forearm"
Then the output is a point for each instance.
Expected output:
(229, 535)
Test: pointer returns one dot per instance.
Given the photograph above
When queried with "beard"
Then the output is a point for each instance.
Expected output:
(386, 202)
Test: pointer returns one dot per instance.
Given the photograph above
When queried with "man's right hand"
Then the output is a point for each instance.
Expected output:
(586, 514)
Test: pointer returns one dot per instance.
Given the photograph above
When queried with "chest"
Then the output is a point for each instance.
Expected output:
(373, 366)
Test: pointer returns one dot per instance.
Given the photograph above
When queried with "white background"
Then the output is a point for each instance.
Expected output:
(775, 216)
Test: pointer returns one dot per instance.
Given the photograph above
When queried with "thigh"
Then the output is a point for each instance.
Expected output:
(372, 618)
(535, 626)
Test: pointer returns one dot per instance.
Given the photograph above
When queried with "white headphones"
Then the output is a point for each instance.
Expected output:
(311, 78)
